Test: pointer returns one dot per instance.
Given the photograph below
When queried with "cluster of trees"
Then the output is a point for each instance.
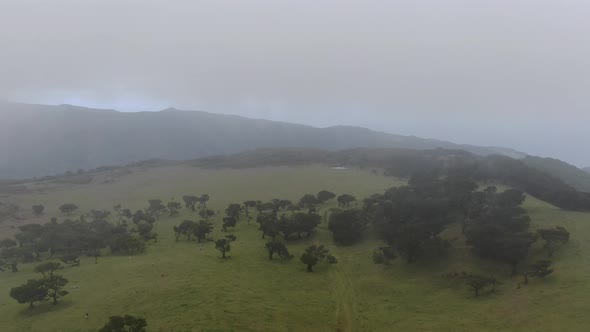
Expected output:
(283, 218)
(347, 226)
(89, 234)
(411, 218)
(69, 239)
(189, 228)
(280, 219)
(49, 287)
(125, 323)
(191, 201)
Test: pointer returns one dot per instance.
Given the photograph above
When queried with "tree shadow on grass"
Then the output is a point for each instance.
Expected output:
(44, 308)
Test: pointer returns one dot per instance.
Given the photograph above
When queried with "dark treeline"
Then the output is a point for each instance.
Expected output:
(411, 218)
(405, 163)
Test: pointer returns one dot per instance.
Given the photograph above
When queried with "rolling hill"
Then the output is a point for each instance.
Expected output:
(38, 140)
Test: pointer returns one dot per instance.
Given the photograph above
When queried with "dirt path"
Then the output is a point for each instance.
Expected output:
(345, 302)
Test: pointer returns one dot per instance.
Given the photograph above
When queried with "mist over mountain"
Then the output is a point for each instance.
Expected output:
(38, 140)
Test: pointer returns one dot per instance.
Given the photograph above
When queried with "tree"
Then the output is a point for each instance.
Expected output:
(539, 269)
(190, 201)
(248, 205)
(306, 222)
(228, 222)
(155, 208)
(554, 238)
(383, 255)
(30, 292)
(201, 229)
(185, 228)
(174, 208)
(206, 213)
(68, 208)
(122, 213)
(308, 201)
(38, 209)
(410, 218)
(417, 240)
(275, 247)
(478, 282)
(203, 199)
(126, 323)
(47, 269)
(316, 253)
(474, 208)
(347, 226)
(55, 285)
(502, 234)
(268, 224)
(127, 244)
(71, 259)
(511, 197)
(223, 245)
(145, 231)
(324, 196)
(233, 211)
(99, 215)
(345, 200)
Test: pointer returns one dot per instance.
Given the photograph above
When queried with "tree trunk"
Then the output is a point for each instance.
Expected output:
(526, 279)
(223, 254)
(309, 268)
(270, 253)
(477, 292)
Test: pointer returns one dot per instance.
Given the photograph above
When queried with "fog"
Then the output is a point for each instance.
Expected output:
(506, 73)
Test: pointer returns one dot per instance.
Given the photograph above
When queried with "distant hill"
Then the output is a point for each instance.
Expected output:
(38, 140)
(586, 169)
(570, 174)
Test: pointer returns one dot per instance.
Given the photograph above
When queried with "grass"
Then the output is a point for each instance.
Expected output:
(182, 286)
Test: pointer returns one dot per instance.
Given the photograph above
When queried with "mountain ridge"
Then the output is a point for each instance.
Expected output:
(39, 140)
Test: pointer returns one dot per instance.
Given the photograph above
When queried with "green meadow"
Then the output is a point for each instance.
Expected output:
(185, 286)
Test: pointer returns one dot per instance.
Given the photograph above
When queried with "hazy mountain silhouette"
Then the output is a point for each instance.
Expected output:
(37, 140)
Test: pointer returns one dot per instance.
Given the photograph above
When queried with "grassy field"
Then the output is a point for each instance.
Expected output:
(182, 286)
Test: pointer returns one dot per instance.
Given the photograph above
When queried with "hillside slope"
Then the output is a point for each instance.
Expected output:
(570, 174)
(37, 140)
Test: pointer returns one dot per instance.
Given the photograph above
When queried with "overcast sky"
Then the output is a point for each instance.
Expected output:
(489, 72)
